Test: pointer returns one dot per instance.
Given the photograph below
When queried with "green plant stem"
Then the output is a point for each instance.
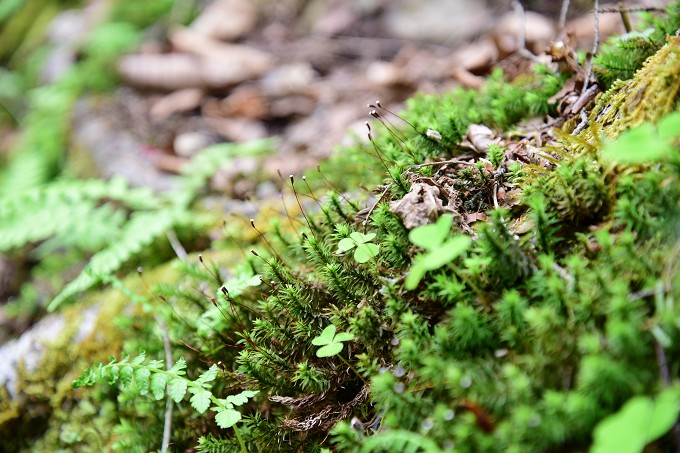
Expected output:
(352, 368)
(240, 440)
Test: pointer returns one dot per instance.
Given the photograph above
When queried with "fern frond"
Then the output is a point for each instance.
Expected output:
(399, 441)
(139, 232)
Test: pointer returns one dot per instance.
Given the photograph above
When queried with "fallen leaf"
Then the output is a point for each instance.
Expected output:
(227, 20)
(178, 101)
(421, 206)
(168, 72)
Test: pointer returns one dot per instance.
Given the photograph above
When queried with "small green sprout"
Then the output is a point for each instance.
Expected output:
(640, 421)
(440, 249)
(646, 143)
(330, 342)
(364, 249)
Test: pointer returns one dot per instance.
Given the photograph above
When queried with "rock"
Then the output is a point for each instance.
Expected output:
(29, 348)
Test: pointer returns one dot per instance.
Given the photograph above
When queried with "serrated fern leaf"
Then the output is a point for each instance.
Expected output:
(398, 441)
(76, 213)
(139, 232)
(153, 377)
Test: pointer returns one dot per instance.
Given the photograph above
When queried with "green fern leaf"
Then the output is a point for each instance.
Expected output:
(207, 376)
(241, 398)
(158, 383)
(200, 400)
(177, 388)
(142, 378)
(227, 418)
(126, 376)
(141, 230)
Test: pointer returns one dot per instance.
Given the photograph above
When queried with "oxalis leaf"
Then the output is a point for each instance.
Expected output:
(429, 237)
(640, 421)
(331, 342)
(440, 250)
(364, 249)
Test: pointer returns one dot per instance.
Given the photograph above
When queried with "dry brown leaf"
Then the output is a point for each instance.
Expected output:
(476, 56)
(420, 206)
(237, 129)
(474, 217)
(245, 101)
(176, 102)
(479, 137)
(221, 64)
(168, 72)
(227, 20)
(538, 30)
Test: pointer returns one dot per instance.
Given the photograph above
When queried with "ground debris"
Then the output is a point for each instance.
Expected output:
(424, 204)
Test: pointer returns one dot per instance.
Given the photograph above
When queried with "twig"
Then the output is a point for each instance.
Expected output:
(444, 162)
(176, 245)
(167, 426)
(522, 45)
(563, 15)
(596, 46)
(625, 18)
(368, 216)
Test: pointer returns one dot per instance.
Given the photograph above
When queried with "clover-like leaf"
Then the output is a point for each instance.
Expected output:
(331, 342)
(429, 237)
(226, 418)
(365, 252)
(638, 146)
(669, 126)
(329, 350)
(346, 244)
(439, 250)
(640, 421)
(325, 337)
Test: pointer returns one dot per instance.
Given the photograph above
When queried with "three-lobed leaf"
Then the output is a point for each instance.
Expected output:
(364, 249)
(640, 421)
(330, 350)
(646, 143)
(331, 342)
(439, 249)
(429, 237)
